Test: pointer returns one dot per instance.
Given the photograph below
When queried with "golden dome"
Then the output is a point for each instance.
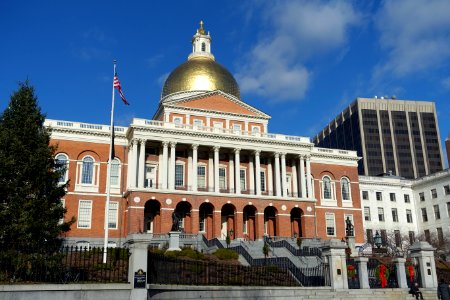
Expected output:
(200, 73)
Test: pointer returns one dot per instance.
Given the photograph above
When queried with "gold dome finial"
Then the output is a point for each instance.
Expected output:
(201, 30)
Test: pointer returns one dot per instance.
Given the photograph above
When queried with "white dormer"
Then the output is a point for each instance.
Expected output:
(201, 44)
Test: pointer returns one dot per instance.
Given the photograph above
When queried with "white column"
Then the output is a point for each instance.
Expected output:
(216, 169)
(164, 166)
(283, 175)
(277, 175)
(194, 166)
(258, 172)
(302, 176)
(173, 146)
(251, 175)
(231, 173)
(135, 161)
(160, 166)
(141, 164)
(308, 177)
(269, 177)
(210, 172)
(294, 179)
(189, 171)
(237, 169)
(130, 164)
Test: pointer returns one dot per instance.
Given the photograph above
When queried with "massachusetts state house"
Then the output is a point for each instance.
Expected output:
(208, 156)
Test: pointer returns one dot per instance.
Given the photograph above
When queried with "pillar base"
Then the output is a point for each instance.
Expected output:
(174, 241)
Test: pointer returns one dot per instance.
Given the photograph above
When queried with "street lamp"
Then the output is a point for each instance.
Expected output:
(231, 232)
(377, 240)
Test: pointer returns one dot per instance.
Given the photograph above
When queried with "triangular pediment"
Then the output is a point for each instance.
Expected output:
(218, 102)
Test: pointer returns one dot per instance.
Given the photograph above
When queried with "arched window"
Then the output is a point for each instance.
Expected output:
(62, 165)
(115, 168)
(87, 170)
(326, 187)
(203, 47)
(345, 189)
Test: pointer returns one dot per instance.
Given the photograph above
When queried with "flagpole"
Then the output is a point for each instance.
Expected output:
(108, 174)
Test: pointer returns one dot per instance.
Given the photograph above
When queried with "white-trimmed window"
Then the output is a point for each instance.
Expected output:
(150, 176)
(237, 128)
(256, 130)
(367, 213)
(243, 179)
(330, 224)
(179, 175)
(201, 176)
(113, 215)
(222, 178)
(87, 170)
(115, 172)
(326, 188)
(381, 214)
(218, 124)
(345, 189)
(177, 120)
(84, 214)
(62, 163)
(394, 214)
(263, 181)
(197, 122)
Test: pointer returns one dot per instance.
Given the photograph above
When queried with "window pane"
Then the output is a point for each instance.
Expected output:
(179, 175)
(61, 164)
(380, 214)
(87, 171)
(367, 213)
(326, 188)
(330, 224)
(437, 213)
(345, 189)
(222, 179)
(263, 181)
(115, 172)
(113, 214)
(84, 214)
(243, 181)
(201, 176)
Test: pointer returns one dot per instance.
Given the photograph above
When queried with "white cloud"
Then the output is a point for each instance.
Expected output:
(275, 67)
(415, 34)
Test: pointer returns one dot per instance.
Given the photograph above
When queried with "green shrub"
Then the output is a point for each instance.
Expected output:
(226, 254)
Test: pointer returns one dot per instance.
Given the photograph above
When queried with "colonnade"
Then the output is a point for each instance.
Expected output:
(275, 181)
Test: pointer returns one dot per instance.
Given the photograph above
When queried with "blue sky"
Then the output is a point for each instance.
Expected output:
(301, 62)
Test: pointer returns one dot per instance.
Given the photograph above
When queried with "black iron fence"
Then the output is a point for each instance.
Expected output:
(352, 274)
(65, 265)
(382, 274)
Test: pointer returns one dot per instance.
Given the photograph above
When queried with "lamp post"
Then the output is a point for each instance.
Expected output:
(231, 232)
(377, 239)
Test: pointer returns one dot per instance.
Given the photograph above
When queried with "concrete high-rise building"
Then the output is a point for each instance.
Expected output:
(392, 136)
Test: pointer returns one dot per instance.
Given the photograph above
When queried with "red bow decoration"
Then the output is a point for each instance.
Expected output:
(411, 273)
(383, 276)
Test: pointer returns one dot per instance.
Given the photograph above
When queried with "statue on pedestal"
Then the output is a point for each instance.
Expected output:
(175, 222)
(349, 227)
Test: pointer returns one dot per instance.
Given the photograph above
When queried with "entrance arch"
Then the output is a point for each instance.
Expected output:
(228, 221)
(270, 221)
(249, 215)
(152, 217)
(206, 220)
(296, 222)
(183, 209)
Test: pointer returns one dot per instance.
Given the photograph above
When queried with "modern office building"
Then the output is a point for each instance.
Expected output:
(208, 157)
(398, 136)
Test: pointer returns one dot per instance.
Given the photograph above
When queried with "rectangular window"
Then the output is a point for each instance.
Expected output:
(440, 235)
(380, 214)
(150, 176)
(365, 195)
(437, 213)
(218, 125)
(330, 224)
(412, 237)
(379, 196)
(114, 175)
(369, 236)
(406, 197)
(366, 213)
(243, 180)
(392, 196)
(433, 193)
(409, 217)
(447, 189)
(201, 224)
(198, 123)
(256, 129)
(201, 177)
(179, 175)
(394, 215)
(422, 196)
(113, 215)
(427, 235)
(263, 181)
(424, 215)
(222, 179)
(177, 120)
(398, 238)
(84, 213)
(237, 128)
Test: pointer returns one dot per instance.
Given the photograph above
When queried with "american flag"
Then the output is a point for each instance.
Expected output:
(118, 87)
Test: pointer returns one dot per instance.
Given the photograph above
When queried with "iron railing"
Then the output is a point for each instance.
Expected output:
(352, 274)
(373, 269)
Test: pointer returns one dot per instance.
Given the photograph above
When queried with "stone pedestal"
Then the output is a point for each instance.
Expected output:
(174, 241)
(334, 253)
(363, 274)
(138, 245)
(351, 245)
(424, 253)
(401, 272)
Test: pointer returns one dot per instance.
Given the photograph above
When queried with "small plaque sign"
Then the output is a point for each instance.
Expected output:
(140, 279)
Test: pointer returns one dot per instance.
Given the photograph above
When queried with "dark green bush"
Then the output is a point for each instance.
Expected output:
(226, 254)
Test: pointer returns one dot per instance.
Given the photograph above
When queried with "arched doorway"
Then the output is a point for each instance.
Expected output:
(152, 217)
(183, 209)
(206, 220)
(270, 221)
(249, 215)
(228, 221)
(296, 222)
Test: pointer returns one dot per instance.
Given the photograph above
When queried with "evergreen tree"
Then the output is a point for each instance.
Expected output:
(30, 195)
